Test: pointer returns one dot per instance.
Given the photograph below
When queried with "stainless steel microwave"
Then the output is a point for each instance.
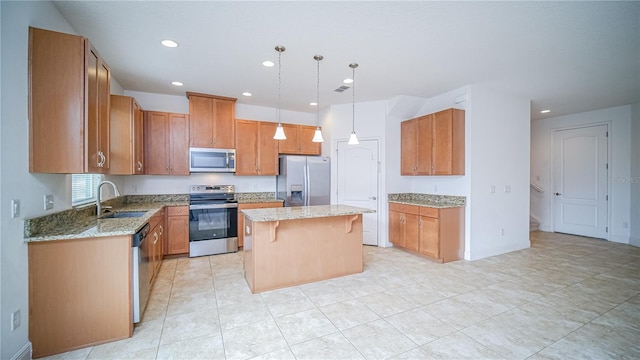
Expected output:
(212, 160)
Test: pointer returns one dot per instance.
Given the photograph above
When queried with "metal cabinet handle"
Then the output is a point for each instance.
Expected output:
(139, 165)
(102, 159)
(155, 237)
(161, 230)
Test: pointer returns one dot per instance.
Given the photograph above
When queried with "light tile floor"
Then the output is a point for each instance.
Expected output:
(566, 297)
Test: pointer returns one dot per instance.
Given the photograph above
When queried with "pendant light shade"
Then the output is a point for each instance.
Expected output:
(317, 136)
(279, 135)
(353, 139)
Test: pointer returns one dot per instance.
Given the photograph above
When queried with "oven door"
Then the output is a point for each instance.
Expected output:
(213, 221)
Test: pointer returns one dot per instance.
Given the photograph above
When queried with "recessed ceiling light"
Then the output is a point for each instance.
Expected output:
(313, 103)
(268, 63)
(348, 81)
(169, 43)
(176, 83)
(246, 93)
(545, 111)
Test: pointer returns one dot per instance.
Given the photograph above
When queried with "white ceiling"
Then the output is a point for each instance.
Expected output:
(565, 56)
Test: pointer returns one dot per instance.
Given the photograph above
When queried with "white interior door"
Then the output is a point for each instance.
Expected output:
(358, 182)
(580, 181)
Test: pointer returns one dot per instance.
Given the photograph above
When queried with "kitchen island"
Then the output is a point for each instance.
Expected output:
(297, 245)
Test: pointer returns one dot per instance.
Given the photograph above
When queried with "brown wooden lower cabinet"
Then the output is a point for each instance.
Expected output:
(79, 293)
(177, 239)
(437, 233)
(263, 205)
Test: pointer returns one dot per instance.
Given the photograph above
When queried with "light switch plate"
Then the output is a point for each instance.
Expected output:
(15, 208)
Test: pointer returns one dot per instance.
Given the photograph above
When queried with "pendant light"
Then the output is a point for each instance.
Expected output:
(317, 136)
(353, 139)
(279, 135)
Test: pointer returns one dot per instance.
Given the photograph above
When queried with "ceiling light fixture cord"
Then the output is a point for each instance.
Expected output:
(317, 136)
(279, 135)
(353, 139)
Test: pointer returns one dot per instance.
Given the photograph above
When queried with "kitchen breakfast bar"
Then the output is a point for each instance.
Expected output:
(297, 245)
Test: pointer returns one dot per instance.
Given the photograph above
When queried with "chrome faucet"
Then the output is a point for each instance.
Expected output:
(115, 191)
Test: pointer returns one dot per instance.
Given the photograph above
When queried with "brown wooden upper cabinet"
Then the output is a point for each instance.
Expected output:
(167, 143)
(69, 95)
(433, 144)
(212, 121)
(298, 140)
(256, 150)
(126, 136)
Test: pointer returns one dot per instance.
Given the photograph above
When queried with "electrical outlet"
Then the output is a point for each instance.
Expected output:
(502, 232)
(15, 320)
(492, 189)
(507, 188)
(48, 202)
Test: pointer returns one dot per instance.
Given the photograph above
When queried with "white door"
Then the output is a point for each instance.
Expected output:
(580, 181)
(358, 182)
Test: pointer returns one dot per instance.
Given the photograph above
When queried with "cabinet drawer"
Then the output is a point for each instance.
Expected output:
(429, 212)
(408, 209)
(178, 211)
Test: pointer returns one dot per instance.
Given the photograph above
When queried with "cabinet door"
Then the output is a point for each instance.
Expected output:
(179, 144)
(247, 147)
(424, 151)
(157, 147)
(267, 149)
(429, 237)
(411, 231)
(305, 137)
(201, 117)
(396, 228)
(104, 100)
(94, 158)
(56, 76)
(176, 240)
(224, 124)
(408, 147)
(157, 253)
(443, 143)
(291, 144)
(138, 139)
(448, 142)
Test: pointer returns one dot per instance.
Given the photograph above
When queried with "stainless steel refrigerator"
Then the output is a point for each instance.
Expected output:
(304, 180)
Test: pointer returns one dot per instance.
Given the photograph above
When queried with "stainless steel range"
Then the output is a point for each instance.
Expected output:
(213, 220)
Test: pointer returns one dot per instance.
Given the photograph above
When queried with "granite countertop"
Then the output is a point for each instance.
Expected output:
(302, 212)
(256, 197)
(83, 223)
(428, 200)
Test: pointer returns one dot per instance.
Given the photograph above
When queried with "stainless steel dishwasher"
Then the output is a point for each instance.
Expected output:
(140, 273)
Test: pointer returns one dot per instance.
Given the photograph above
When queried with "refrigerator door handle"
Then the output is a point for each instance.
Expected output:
(307, 185)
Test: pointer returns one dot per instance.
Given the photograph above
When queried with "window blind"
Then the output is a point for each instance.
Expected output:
(83, 188)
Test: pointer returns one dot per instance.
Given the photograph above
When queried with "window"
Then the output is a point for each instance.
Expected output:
(83, 188)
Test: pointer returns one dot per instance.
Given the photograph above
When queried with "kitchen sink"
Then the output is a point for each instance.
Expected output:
(124, 214)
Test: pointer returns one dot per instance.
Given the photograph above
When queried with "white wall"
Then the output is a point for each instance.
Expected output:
(618, 120)
(498, 155)
(16, 181)
(635, 175)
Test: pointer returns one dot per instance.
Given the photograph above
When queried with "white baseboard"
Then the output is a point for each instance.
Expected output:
(634, 241)
(24, 353)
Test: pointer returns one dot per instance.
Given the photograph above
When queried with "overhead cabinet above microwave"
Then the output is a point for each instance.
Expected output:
(212, 121)
(69, 94)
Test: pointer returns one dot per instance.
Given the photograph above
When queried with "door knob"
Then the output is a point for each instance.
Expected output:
(372, 198)
(558, 194)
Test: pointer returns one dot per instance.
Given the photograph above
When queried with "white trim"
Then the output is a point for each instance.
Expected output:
(24, 353)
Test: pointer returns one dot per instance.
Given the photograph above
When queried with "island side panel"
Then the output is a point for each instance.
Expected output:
(79, 293)
(248, 252)
(305, 250)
